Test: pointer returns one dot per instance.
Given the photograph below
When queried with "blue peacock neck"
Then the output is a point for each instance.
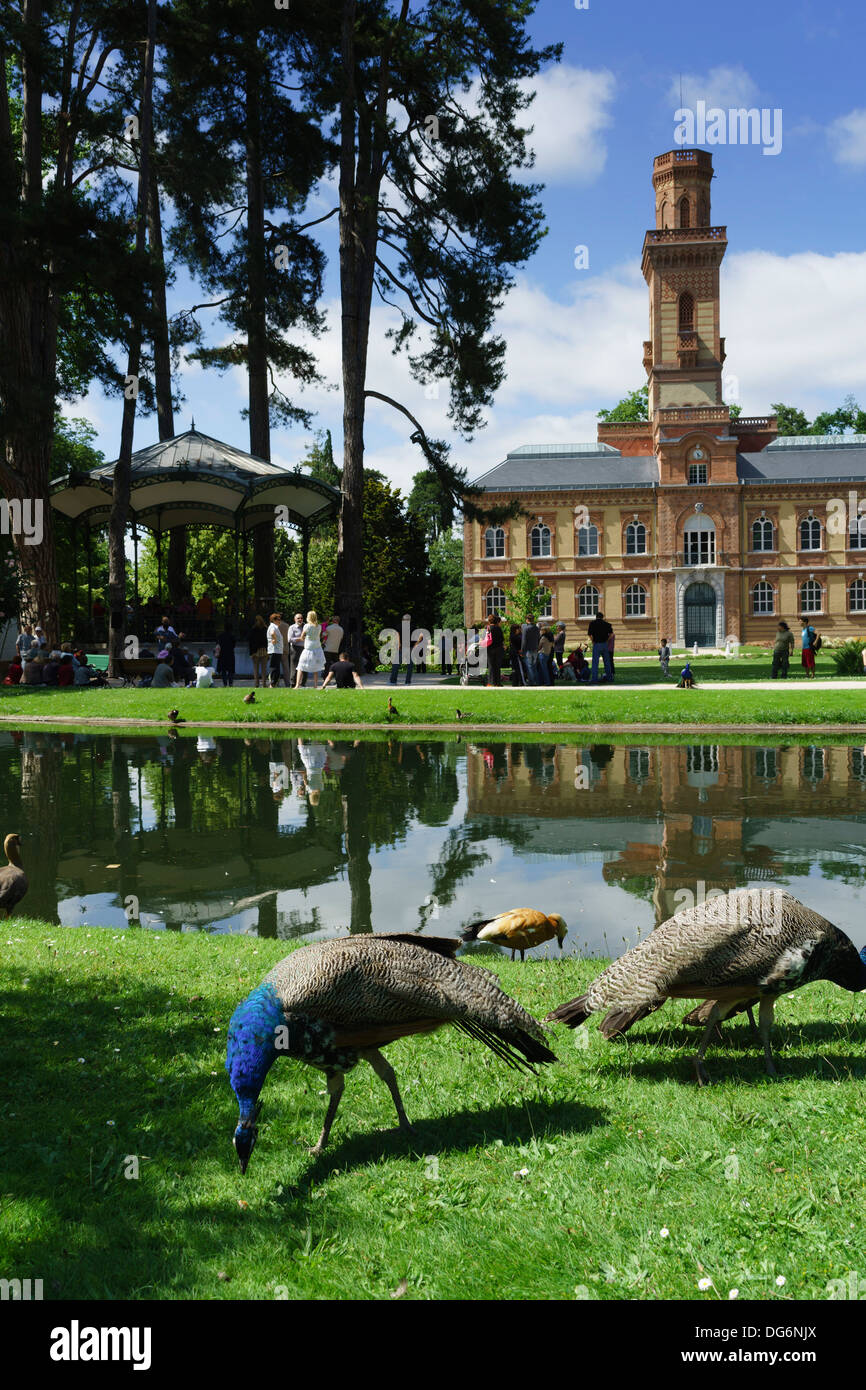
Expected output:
(252, 1045)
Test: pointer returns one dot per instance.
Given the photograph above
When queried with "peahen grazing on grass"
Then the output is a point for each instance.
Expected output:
(520, 929)
(745, 947)
(335, 1003)
(13, 880)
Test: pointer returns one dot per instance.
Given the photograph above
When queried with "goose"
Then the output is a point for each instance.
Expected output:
(13, 880)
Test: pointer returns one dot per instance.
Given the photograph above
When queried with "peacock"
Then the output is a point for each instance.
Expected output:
(335, 1003)
(735, 950)
(521, 929)
(13, 880)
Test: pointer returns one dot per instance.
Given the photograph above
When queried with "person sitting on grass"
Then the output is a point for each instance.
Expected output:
(687, 679)
(13, 675)
(204, 673)
(83, 671)
(664, 656)
(343, 674)
(579, 665)
(163, 676)
(51, 669)
(66, 672)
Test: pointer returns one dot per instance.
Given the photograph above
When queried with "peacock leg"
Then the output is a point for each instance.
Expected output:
(336, 1086)
(765, 1023)
(712, 1021)
(385, 1072)
(751, 1017)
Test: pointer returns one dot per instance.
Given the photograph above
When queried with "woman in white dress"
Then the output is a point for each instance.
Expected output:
(312, 658)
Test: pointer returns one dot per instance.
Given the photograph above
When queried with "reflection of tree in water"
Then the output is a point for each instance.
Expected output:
(42, 812)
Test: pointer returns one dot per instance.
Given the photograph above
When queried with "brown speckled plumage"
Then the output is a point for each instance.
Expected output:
(13, 880)
(735, 950)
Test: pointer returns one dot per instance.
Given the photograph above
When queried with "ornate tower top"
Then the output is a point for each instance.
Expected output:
(681, 179)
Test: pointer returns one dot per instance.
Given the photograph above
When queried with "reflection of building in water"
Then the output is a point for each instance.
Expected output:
(667, 819)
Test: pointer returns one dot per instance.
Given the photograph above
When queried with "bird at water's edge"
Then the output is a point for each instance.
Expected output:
(520, 929)
(13, 880)
(335, 1003)
(743, 948)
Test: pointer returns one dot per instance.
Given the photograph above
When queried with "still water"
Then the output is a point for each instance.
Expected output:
(294, 837)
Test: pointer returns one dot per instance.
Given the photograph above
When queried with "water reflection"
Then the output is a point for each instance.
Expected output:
(295, 836)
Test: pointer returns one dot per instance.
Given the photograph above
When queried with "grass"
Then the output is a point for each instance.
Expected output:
(511, 1188)
(792, 703)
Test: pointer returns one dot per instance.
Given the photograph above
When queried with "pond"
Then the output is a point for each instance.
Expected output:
(293, 837)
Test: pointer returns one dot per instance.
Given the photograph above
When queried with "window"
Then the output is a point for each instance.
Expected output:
(546, 609)
(811, 597)
(539, 541)
(763, 598)
(810, 533)
(494, 543)
(699, 541)
(587, 540)
(762, 534)
(588, 601)
(638, 765)
(765, 764)
(635, 601)
(687, 313)
(684, 212)
(813, 764)
(857, 534)
(494, 601)
(697, 473)
(857, 594)
(702, 757)
(635, 538)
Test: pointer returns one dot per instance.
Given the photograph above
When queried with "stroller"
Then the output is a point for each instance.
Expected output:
(469, 662)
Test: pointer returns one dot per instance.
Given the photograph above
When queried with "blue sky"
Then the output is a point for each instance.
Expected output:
(793, 280)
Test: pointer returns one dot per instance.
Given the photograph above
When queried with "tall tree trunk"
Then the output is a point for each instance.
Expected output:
(264, 573)
(123, 468)
(28, 344)
(176, 565)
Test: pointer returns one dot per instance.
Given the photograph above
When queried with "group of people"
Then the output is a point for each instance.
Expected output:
(301, 649)
(536, 654)
(783, 649)
(35, 664)
(176, 664)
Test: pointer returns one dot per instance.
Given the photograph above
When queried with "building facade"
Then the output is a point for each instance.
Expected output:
(691, 525)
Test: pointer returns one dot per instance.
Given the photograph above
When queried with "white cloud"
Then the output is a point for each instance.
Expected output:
(569, 115)
(721, 86)
(847, 136)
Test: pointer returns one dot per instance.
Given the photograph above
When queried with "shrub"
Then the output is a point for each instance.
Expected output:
(848, 659)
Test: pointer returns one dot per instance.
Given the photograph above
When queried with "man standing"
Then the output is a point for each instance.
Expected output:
(529, 638)
(600, 632)
(808, 640)
(333, 642)
(296, 643)
(25, 640)
(783, 648)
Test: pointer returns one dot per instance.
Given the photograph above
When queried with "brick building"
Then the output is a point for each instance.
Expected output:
(691, 525)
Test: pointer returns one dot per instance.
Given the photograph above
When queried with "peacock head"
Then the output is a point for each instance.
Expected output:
(559, 927)
(250, 1053)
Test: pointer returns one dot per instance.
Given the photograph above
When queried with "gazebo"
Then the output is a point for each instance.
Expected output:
(196, 480)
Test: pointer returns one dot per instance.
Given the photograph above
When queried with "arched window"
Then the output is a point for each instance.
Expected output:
(635, 601)
(494, 543)
(763, 598)
(546, 609)
(539, 541)
(811, 597)
(587, 540)
(810, 533)
(494, 601)
(635, 538)
(699, 540)
(857, 534)
(762, 534)
(857, 593)
(588, 602)
(687, 312)
(684, 211)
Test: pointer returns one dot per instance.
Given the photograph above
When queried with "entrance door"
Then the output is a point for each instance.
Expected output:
(700, 615)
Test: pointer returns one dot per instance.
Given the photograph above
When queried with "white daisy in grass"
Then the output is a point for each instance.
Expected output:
(781, 1281)
(733, 1293)
(704, 1284)
(664, 1232)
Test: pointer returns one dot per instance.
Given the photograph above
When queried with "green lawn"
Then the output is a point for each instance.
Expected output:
(791, 703)
(512, 1188)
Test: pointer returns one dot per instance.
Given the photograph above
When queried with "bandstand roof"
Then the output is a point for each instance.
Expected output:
(196, 480)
